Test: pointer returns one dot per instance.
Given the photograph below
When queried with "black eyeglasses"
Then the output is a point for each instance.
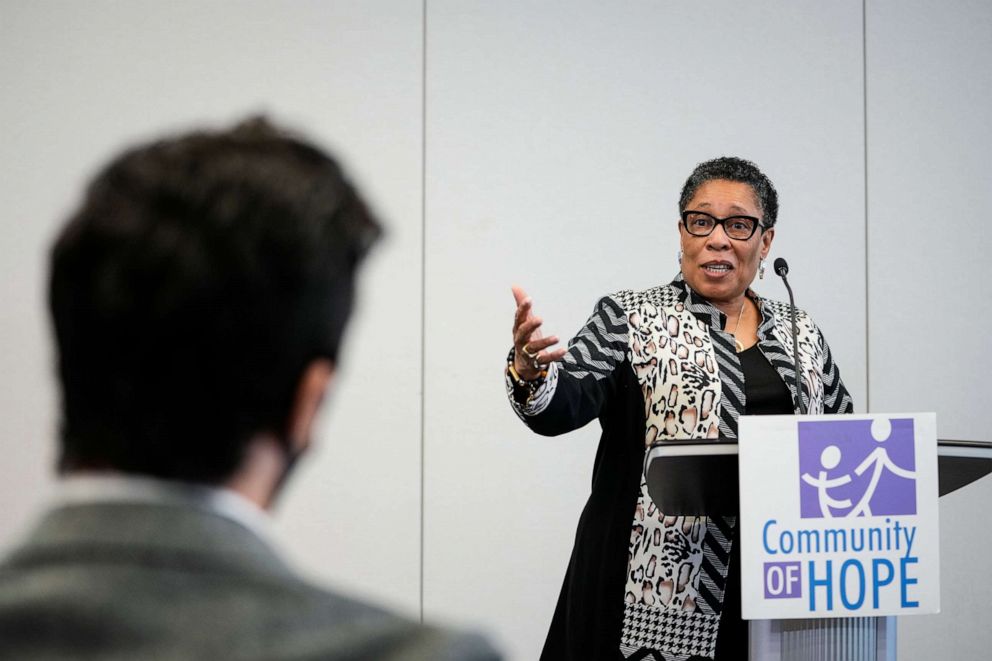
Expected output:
(740, 228)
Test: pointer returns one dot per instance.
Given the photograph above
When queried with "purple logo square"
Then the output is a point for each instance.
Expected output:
(851, 468)
(783, 580)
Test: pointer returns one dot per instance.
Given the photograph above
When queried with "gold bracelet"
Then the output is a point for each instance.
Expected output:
(520, 381)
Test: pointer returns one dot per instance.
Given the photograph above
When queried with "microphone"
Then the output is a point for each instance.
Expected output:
(782, 269)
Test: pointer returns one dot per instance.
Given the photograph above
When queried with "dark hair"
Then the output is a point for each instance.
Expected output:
(731, 168)
(200, 276)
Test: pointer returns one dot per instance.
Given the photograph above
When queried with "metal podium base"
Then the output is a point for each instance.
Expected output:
(847, 639)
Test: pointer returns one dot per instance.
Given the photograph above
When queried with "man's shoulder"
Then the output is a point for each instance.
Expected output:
(340, 625)
(329, 624)
(80, 583)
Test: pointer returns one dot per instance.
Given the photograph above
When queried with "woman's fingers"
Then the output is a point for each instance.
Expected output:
(533, 351)
(534, 345)
(527, 331)
(542, 359)
(524, 305)
(536, 356)
(546, 357)
(523, 311)
(519, 294)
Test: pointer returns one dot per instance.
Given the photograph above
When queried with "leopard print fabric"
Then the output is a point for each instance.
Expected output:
(671, 353)
(665, 555)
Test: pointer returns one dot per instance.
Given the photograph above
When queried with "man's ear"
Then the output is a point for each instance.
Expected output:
(310, 391)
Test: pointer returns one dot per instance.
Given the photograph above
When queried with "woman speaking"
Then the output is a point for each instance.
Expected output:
(682, 360)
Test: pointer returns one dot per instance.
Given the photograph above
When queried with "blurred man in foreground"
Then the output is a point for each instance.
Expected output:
(199, 296)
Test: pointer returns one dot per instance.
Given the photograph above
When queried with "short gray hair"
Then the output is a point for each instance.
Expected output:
(731, 168)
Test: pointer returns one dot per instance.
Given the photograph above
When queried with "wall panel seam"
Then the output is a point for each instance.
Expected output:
(864, 94)
(423, 286)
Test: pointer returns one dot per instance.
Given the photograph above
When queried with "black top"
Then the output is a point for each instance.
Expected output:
(764, 391)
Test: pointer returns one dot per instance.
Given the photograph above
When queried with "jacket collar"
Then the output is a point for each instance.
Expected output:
(146, 533)
(88, 488)
(708, 313)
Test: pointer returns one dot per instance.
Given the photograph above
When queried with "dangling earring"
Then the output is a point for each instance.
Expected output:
(679, 258)
(761, 270)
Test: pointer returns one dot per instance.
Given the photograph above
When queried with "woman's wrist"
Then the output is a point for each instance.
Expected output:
(523, 373)
(523, 376)
(524, 385)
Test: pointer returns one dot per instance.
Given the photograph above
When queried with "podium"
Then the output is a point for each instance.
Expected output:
(672, 470)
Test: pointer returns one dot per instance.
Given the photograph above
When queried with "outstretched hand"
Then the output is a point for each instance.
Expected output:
(532, 351)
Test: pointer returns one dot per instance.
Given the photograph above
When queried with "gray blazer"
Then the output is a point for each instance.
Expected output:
(159, 581)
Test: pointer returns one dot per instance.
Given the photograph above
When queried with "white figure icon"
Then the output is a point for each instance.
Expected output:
(878, 460)
(829, 459)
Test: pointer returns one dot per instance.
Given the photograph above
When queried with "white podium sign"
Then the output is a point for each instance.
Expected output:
(838, 515)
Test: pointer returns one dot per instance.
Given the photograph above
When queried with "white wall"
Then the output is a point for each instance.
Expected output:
(555, 140)
(79, 80)
(559, 135)
(929, 139)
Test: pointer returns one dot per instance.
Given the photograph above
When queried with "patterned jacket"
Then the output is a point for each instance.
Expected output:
(656, 365)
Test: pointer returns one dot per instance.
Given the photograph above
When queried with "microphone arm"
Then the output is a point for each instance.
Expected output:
(782, 269)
